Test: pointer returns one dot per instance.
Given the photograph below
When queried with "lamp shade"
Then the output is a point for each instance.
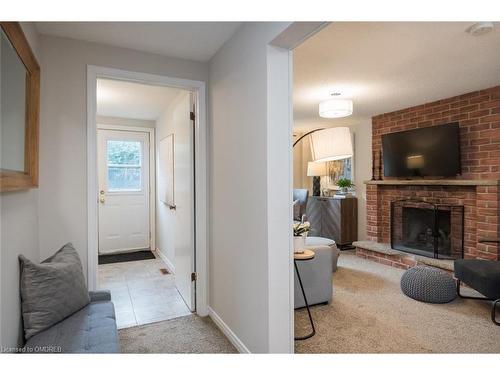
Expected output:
(331, 144)
(335, 108)
(415, 161)
(316, 169)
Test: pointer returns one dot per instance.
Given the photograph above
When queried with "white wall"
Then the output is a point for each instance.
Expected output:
(19, 235)
(301, 155)
(239, 223)
(362, 170)
(279, 198)
(169, 222)
(63, 202)
(297, 163)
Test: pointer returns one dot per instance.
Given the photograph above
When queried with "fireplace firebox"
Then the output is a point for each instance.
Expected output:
(427, 229)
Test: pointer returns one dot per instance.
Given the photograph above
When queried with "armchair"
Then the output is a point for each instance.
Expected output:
(300, 197)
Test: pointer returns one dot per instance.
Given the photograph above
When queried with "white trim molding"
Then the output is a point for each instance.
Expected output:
(152, 172)
(201, 183)
(238, 344)
(167, 261)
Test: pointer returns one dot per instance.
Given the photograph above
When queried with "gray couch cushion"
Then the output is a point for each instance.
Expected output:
(312, 242)
(319, 241)
(89, 330)
(52, 290)
(300, 197)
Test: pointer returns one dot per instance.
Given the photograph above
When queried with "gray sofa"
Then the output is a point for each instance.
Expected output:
(312, 242)
(89, 330)
(317, 273)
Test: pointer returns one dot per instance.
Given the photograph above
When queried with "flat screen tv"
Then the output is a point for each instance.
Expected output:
(427, 152)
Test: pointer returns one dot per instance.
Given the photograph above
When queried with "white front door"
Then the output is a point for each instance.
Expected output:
(123, 177)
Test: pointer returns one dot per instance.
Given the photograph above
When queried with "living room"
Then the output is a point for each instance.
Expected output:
(412, 185)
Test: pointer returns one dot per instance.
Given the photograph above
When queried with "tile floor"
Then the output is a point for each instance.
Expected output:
(141, 293)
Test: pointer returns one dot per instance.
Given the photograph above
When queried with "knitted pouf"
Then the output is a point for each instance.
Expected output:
(428, 284)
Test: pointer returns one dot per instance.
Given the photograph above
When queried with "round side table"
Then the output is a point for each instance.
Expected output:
(300, 257)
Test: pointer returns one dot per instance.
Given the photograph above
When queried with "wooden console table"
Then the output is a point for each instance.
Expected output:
(334, 218)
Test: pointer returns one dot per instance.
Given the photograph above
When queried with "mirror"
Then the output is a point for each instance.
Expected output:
(19, 110)
(12, 107)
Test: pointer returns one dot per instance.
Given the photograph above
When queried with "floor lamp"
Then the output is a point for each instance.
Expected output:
(326, 145)
(329, 144)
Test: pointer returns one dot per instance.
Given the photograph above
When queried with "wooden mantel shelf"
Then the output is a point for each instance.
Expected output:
(435, 182)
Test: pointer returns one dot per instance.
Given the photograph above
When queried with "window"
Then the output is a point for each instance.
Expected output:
(124, 165)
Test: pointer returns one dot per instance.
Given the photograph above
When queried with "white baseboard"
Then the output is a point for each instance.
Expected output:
(169, 264)
(238, 344)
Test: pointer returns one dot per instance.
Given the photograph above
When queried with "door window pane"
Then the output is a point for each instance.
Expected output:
(124, 152)
(124, 165)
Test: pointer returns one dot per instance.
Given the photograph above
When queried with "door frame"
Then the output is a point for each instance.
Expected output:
(152, 173)
(198, 88)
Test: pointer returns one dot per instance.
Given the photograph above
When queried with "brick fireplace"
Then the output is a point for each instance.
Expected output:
(427, 229)
(477, 189)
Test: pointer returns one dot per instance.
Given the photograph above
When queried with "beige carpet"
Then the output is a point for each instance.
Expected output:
(188, 334)
(369, 314)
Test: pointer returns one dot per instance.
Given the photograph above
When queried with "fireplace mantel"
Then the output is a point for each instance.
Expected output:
(443, 182)
(477, 189)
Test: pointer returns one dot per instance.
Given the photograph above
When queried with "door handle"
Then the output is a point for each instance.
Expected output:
(102, 198)
(172, 206)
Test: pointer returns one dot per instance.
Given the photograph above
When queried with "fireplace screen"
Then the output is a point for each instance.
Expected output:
(432, 230)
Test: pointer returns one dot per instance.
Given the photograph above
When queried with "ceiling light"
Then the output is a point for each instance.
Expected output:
(480, 28)
(335, 108)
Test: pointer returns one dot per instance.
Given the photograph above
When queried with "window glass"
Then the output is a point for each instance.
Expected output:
(124, 165)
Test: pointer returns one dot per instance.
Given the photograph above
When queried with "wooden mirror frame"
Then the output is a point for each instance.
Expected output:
(17, 180)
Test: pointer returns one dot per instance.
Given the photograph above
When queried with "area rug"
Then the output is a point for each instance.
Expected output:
(187, 334)
(126, 257)
(369, 314)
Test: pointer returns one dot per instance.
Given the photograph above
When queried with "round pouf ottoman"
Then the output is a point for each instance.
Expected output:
(428, 284)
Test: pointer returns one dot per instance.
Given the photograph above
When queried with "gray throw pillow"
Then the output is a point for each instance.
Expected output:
(51, 290)
(296, 212)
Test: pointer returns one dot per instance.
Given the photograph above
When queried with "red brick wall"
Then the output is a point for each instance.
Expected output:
(452, 195)
(488, 220)
(478, 115)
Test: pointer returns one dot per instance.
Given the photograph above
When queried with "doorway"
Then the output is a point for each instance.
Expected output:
(124, 190)
(129, 210)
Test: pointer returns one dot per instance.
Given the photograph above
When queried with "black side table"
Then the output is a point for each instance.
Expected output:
(306, 255)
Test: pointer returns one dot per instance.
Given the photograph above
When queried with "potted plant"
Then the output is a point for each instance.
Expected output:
(300, 231)
(345, 184)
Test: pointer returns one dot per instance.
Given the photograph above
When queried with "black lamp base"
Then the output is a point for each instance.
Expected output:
(316, 186)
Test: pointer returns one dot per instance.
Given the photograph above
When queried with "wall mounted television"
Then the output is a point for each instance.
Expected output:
(425, 152)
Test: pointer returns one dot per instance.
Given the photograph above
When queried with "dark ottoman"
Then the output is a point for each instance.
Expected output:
(483, 276)
(427, 284)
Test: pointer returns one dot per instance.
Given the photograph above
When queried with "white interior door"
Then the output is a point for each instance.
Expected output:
(184, 200)
(123, 177)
